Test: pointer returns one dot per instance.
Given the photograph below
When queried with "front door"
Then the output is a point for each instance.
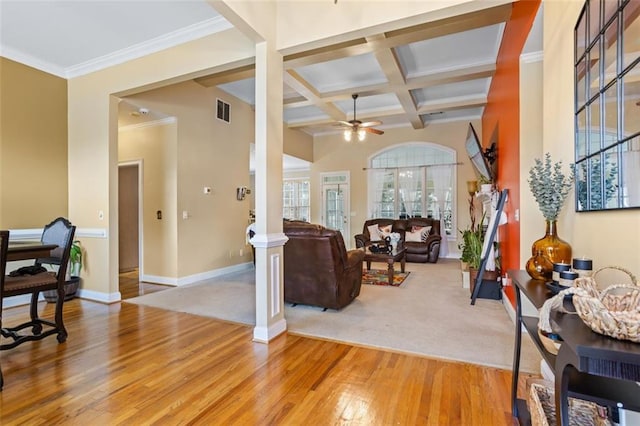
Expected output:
(335, 203)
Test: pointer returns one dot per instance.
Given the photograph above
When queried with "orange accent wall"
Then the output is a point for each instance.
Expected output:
(502, 116)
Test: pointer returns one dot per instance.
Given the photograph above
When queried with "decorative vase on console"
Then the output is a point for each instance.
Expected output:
(550, 187)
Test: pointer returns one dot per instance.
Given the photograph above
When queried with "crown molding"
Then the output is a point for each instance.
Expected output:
(165, 41)
(30, 61)
(529, 58)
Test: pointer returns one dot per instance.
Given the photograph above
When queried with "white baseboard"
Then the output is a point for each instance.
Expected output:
(507, 307)
(98, 296)
(266, 334)
(510, 310)
(23, 299)
(190, 279)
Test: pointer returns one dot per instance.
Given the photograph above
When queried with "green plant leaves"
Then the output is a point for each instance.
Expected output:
(550, 186)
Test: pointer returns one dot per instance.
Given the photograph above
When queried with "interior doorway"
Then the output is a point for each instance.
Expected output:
(129, 218)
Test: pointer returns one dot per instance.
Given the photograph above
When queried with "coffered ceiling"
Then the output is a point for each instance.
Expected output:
(438, 71)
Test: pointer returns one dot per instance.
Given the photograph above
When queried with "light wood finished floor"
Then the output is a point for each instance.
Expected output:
(130, 286)
(135, 365)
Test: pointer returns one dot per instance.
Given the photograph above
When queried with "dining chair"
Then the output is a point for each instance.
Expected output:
(61, 233)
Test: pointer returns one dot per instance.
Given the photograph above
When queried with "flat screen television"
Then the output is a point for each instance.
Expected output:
(477, 155)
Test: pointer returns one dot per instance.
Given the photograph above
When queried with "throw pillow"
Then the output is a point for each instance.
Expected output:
(374, 233)
(384, 231)
(422, 231)
(411, 236)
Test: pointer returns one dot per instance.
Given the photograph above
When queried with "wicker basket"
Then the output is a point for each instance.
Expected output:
(542, 407)
(614, 311)
(552, 346)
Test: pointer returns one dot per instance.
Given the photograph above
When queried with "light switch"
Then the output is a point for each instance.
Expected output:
(185, 214)
(206, 190)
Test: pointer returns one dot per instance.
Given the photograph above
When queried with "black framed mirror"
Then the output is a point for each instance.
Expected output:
(607, 104)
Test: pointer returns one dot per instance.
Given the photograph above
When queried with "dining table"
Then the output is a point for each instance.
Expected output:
(24, 250)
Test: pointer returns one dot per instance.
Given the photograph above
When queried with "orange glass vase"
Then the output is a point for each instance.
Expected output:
(553, 248)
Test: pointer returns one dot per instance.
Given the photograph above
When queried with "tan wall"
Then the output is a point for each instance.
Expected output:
(531, 125)
(93, 135)
(609, 238)
(210, 153)
(297, 144)
(156, 147)
(331, 154)
(33, 146)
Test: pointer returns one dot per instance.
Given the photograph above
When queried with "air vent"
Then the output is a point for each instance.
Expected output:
(223, 110)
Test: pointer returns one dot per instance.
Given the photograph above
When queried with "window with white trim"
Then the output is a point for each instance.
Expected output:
(295, 199)
(414, 180)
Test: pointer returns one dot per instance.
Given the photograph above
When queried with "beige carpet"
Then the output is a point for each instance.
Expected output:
(428, 315)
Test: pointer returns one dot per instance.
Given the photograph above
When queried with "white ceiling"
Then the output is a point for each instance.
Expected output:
(70, 38)
(440, 71)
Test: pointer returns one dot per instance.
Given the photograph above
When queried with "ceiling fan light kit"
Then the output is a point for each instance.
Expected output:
(359, 128)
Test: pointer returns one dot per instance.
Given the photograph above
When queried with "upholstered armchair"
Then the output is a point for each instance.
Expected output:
(420, 236)
(318, 269)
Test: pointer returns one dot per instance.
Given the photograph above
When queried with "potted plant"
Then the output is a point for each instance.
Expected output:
(72, 283)
(471, 247)
(486, 184)
(471, 255)
(550, 187)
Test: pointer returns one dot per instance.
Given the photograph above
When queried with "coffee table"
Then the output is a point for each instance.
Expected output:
(389, 258)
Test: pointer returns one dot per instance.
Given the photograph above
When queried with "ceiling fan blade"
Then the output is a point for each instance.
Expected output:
(347, 123)
(372, 130)
(371, 123)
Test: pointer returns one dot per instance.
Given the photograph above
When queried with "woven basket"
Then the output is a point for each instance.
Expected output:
(552, 346)
(614, 311)
(542, 407)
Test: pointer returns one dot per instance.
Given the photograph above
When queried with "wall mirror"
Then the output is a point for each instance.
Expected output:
(607, 105)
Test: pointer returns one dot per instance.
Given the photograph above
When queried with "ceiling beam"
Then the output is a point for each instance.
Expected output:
(300, 85)
(451, 104)
(322, 54)
(428, 30)
(297, 102)
(391, 68)
(363, 116)
(237, 74)
(444, 77)
(455, 24)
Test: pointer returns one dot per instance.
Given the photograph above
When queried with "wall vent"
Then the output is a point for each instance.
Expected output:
(223, 110)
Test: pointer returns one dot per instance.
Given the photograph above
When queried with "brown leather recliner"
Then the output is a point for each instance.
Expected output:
(318, 269)
(424, 251)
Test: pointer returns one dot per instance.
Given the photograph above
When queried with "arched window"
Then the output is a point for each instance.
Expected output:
(414, 180)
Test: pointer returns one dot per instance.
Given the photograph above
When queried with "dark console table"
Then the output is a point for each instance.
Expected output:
(588, 366)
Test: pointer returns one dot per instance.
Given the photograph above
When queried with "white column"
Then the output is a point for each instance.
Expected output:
(269, 239)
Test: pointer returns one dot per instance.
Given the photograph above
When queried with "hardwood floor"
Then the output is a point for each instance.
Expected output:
(130, 286)
(131, 364)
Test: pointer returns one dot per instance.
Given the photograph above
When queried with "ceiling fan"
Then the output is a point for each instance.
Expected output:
(358, 127)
